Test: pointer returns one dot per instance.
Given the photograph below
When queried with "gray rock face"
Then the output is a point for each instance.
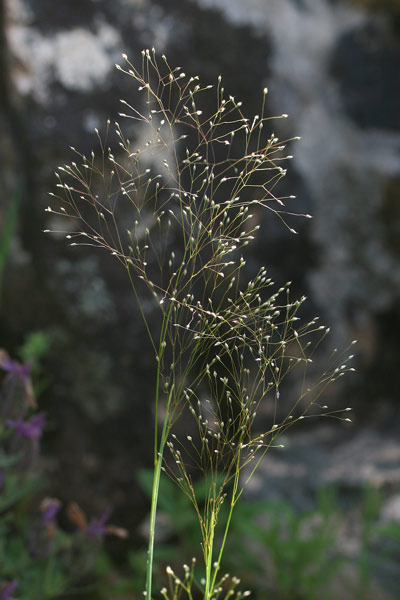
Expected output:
(330, 66)
(311, 460)
(326, 72)
(365, 65)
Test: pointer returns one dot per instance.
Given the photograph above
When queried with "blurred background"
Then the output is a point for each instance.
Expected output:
(334, 67)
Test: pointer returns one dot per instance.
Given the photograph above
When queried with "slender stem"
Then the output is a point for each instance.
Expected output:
(153, 513)
(158, 457)
(209, 555)
(154, 500)
(158, 452)
(158, 378)
(232, 506)
(140, 308)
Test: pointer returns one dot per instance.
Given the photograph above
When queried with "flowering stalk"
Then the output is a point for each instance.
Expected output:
(225, 343)
(158, 460)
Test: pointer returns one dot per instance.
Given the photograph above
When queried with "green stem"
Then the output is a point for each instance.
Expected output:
(158, 459)
(209, 555)
(158, 450)
(232, 506)
(153, 513)
(154, 500)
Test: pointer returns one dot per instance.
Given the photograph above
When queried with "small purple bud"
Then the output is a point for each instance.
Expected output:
(7, 589)
(49, 508)
(28, 429)
(96, 527)
(11, 366)
(50, 513)
(17, 390)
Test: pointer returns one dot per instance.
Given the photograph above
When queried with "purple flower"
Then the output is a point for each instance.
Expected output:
(49, 508)
(28, 429)
(44, 529)
(97, 527)
(18, 376)
(12, 366)
(7, 589)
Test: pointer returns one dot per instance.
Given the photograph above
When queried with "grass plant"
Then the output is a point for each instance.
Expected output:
(177, 213)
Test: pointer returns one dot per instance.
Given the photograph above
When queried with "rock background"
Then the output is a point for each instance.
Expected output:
(333, 66)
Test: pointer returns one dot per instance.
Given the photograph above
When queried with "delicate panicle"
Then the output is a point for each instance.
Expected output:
(177, 209)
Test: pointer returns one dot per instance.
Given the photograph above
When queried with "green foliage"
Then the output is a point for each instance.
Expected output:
(294, 553)
(369, 513)
(275, 550)
(279, 552)
(37, 557)
(178, 509)
(35, 347)
(38, 578)
(391, 532)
